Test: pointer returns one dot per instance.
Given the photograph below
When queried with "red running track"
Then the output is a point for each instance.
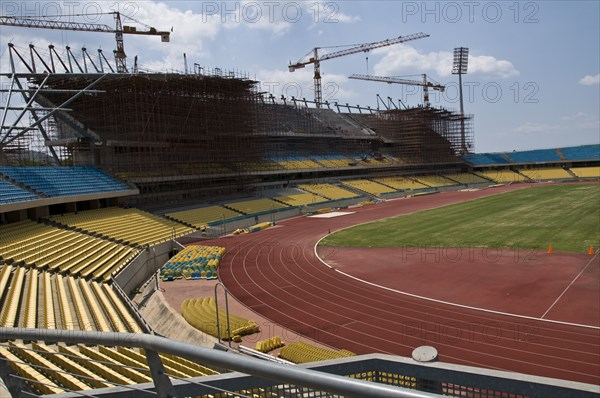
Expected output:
(276, 273)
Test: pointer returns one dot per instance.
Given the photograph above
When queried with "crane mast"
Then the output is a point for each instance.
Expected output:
(120, 57)
(365, 47)
(395, 80)
(119, 30)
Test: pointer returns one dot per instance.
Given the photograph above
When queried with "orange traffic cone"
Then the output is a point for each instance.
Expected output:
(549, 249)
(591, 251)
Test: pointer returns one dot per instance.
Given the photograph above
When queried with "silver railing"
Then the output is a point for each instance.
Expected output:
(163, 386)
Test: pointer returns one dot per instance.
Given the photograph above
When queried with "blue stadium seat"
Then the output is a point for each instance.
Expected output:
(584, 152)
(10, 193)
(480, 159)
(535, 156)
(64, 181)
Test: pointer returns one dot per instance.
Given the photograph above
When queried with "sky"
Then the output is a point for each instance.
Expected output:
(533, 77)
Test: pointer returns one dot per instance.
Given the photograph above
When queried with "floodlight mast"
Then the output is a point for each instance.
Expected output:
(461, 62)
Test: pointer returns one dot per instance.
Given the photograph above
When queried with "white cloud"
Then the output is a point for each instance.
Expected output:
(589, 80)
(195, 32)
(535, 128)
(327, 12)
(589, 125)
(579, 115)
(492, 67)
(572, 124)
(582, 120)
(268, 16)
(404, 59)
(191, 31)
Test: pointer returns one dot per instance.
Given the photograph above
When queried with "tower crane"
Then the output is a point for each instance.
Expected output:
(425, 84)
(365, 47)
(118, 30)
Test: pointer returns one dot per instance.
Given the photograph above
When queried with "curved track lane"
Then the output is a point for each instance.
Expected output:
(277, 274)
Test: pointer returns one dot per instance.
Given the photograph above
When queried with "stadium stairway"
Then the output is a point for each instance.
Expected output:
(179, 221)
(232, 209)
(561, 154)
(484, 177)
(571, 172)
(279, 201)
(527, 179)
(456, 182)
(357, 190)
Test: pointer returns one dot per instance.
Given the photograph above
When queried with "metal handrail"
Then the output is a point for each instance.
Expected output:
(294, 375)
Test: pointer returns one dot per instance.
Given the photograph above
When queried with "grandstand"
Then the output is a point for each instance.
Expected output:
(502, 176)
(554, 164)
(301, 352)
(58, 250)
(465, 178)
(68, 303)
(10, 193)
(203, 216)
(535, 156)
(586, 172)
(63, 181)
(546, 156)
(128, 226)
(434, 181)
(255, 206)
(550, 173)
(202, 314)
(584, 152)
(181, 157)
(300, 199)
(486, 159)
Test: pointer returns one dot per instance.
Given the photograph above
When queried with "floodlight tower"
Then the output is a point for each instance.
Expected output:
(461, 61)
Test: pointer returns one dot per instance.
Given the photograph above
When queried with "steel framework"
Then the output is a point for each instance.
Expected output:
(203, 135)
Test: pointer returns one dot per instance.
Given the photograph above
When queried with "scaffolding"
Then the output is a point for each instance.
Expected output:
(422, 135)
(211, 134)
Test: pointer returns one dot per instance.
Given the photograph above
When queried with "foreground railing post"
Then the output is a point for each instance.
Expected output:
(226, 314)
(290, 375)
(163, 385)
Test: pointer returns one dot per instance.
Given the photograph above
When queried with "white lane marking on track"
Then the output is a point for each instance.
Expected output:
(447, 302)
(570, 284)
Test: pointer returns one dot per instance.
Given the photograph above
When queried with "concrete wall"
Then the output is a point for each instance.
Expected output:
(338, 203)
(395, 195)
(226, 228)
(167, 322)
(143, 266)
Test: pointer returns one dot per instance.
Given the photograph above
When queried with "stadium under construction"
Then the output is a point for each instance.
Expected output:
(210, 134)
(85, 157)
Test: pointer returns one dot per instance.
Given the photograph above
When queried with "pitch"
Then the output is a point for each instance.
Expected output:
(567, 217)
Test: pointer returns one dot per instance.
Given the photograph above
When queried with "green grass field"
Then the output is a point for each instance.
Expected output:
(565, 216)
